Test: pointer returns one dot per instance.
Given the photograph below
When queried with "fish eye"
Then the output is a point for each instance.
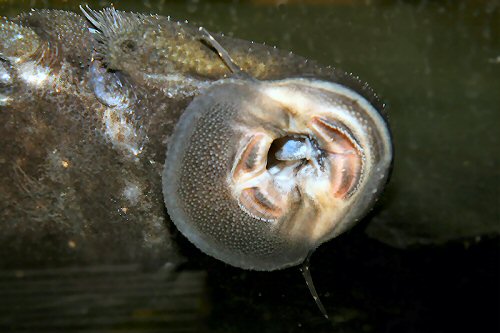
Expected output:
(129, 46)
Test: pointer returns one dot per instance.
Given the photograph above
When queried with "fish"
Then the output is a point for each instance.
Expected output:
(117, 126)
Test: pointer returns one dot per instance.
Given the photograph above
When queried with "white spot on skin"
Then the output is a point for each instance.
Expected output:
(5, 77)
(121, 131)
(4, 100)
(132, 192)
(33, 74)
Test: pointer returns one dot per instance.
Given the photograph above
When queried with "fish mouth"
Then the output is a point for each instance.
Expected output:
(315, 161)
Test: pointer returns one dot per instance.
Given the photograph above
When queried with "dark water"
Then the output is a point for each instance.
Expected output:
(427, 259)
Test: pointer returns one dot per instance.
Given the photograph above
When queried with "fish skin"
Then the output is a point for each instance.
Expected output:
(85, 120)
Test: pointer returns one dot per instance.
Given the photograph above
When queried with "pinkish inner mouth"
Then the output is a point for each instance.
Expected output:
(270, 175)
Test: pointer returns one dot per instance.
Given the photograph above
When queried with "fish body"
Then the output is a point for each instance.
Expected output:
(87, 108)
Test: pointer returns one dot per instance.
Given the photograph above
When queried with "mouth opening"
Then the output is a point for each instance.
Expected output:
(291, 149)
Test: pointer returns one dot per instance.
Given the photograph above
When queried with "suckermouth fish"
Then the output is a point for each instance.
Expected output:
(258, 155)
